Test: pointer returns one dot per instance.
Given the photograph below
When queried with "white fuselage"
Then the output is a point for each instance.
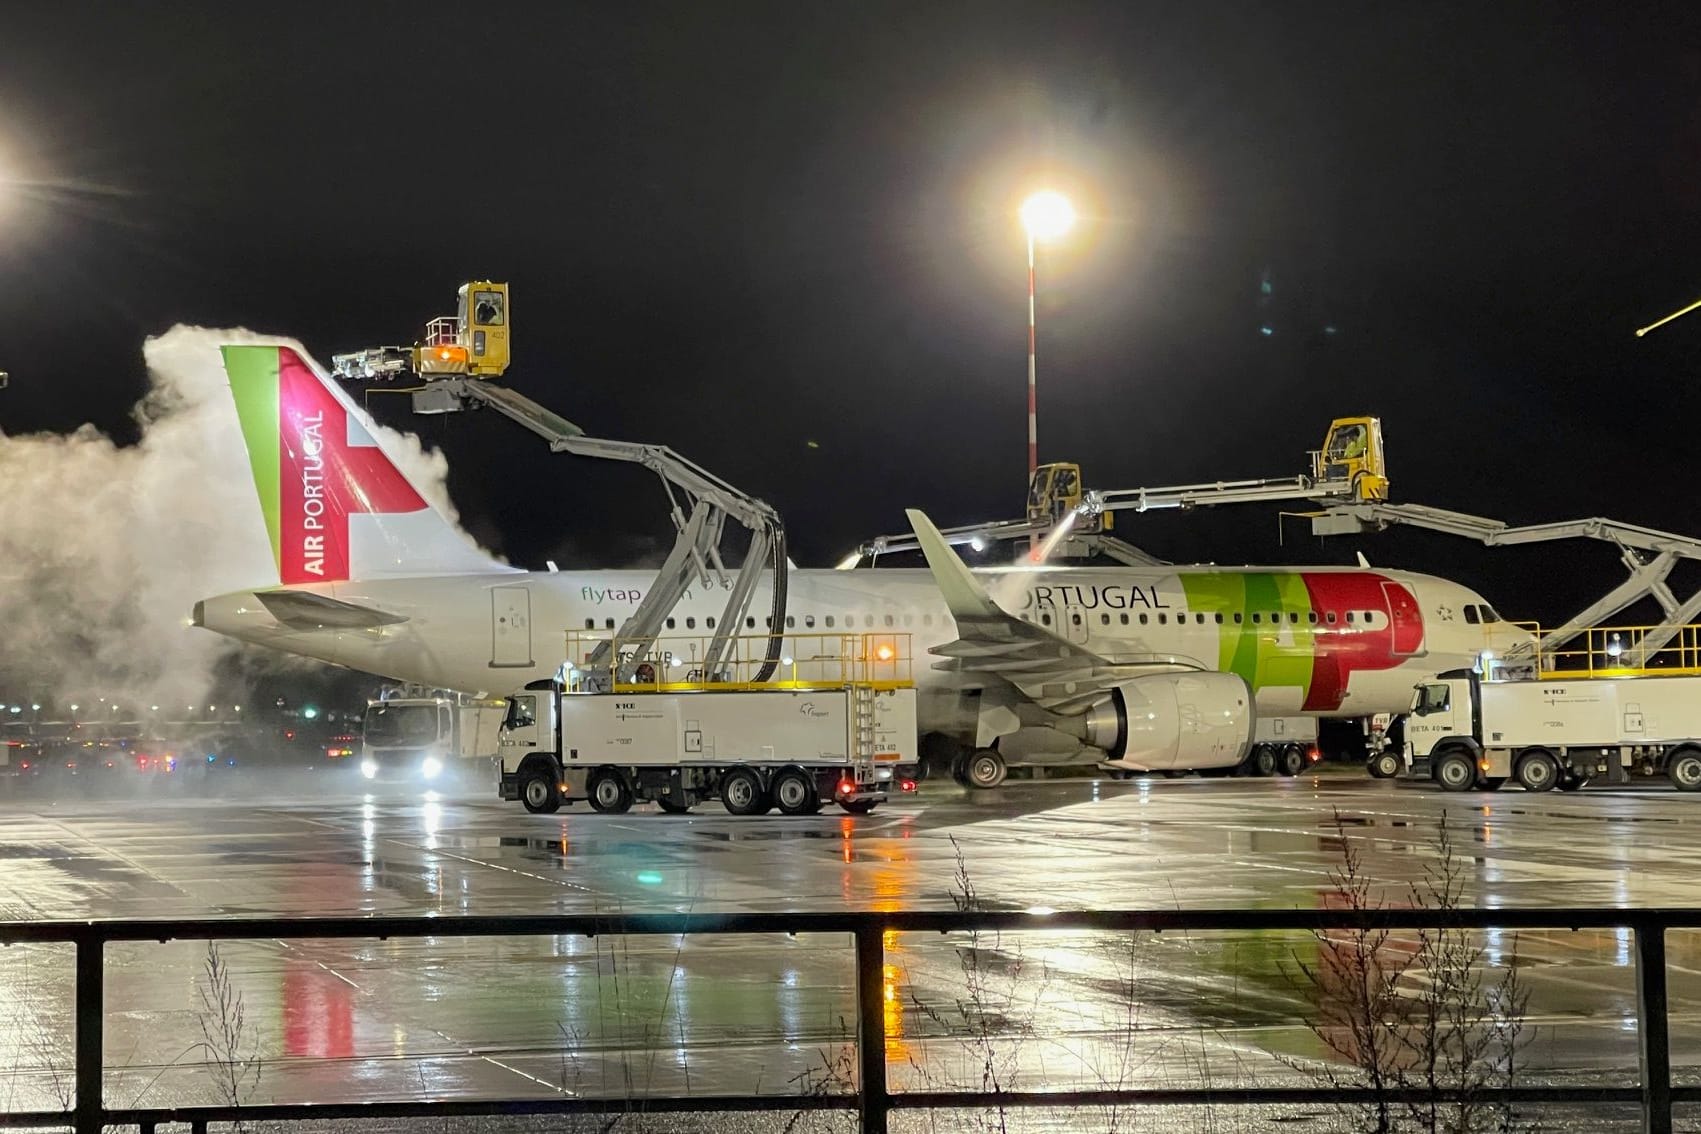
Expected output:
(491, 634)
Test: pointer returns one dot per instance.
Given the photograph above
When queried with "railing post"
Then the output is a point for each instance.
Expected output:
(871, 1027)
(91, 1034)
(1652, 1035)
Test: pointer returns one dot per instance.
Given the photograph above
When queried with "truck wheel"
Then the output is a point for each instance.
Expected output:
(1572, 782)
(538, 792)
(986, 769)
(1538, 770)
(858, 806)
(795, 794)
(1493, 783)
(671, 807)
(1684, 771)
(609, 793)
(1456, 771)
(1262, 761)
(742, 794)
(1290, 761)
(960, 768)
(1384, 765)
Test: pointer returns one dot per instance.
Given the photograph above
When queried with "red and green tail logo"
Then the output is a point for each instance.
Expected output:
(315, 465)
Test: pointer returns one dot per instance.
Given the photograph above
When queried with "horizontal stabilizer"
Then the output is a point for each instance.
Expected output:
(303, 610)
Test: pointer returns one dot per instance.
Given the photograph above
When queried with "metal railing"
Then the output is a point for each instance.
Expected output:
(808, 660)
(871, 1099)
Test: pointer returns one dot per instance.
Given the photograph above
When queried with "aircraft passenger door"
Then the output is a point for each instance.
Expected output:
(510, 627)
(1405, 619)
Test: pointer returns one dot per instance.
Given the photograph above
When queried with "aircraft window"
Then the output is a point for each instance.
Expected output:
(1471, 615)
(909, 620)
(768, 622)
(868, 620)
(1238, 618)
(1145, 618)
(927, 620)
(1075, 619)
(1275, 618)
(750, 622)
(1045, 619)
(1489, 614)
(1125, 618)
(608, 624)
(1219, 618)
(691, 623)
(1163, 620)
(1349, 618)
(1312, 617)
(791, 622)
(1293, 616)
(1199, 618)
(889, 620)
(670, 624)
(809, 622)
(829, 622)
(709, 622)
(1256, 617)
(590, 624)
(1370, 618)
(1330, 617)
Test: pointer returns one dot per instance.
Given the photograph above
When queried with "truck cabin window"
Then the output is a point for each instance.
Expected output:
(487, 309)
(522, 712)
(1433, 699)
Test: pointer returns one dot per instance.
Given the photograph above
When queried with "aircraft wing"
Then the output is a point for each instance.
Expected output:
(1049, 670)
(303, 610)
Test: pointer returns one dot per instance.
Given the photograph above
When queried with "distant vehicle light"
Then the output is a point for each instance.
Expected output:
(369, 769)
(885, 653)
(432, 767)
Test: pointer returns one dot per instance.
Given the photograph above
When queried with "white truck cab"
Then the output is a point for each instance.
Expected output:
(1469, 734)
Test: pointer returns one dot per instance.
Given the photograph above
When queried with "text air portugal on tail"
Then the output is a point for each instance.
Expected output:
(335, 506)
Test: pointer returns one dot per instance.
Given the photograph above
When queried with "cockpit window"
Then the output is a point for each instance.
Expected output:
(1489, 614)
(1471, 615)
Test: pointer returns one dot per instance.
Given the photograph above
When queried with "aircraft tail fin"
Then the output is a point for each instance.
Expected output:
(336, 505)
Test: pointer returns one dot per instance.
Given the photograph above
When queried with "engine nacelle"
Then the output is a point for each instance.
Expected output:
(1173, 720)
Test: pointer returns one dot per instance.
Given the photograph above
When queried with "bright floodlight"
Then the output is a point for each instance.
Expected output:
(1047, 215)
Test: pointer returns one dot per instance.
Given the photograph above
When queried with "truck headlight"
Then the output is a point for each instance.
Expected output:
(369, 769)
(431, 767)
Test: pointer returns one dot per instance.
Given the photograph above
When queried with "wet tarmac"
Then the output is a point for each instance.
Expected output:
(447, 1017)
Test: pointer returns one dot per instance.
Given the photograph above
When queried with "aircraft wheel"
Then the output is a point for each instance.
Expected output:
(1456, 771)
(1538, 771)
(1684, 771)
(1384, 765)
(986, 769)
(609, 793)
(1290, 761)
(795, 794)
(538, 792)
(742, 794)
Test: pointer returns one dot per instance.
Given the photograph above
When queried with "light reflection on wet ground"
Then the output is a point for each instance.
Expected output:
(339, 1021)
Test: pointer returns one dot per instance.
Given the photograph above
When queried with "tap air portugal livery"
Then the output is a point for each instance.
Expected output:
(1132, 668)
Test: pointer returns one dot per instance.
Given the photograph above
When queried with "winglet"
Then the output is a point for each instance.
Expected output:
(965, 597)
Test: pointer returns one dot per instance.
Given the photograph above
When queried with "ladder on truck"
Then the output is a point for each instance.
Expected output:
(455, 362)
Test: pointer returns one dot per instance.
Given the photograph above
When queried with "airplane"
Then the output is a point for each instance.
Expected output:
(1132, 668)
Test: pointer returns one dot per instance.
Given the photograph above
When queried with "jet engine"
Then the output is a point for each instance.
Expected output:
(1173, 720)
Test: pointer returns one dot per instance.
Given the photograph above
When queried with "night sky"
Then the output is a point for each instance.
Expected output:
(739, 229)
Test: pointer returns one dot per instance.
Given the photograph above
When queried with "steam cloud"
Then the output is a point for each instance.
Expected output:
(105, 549)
